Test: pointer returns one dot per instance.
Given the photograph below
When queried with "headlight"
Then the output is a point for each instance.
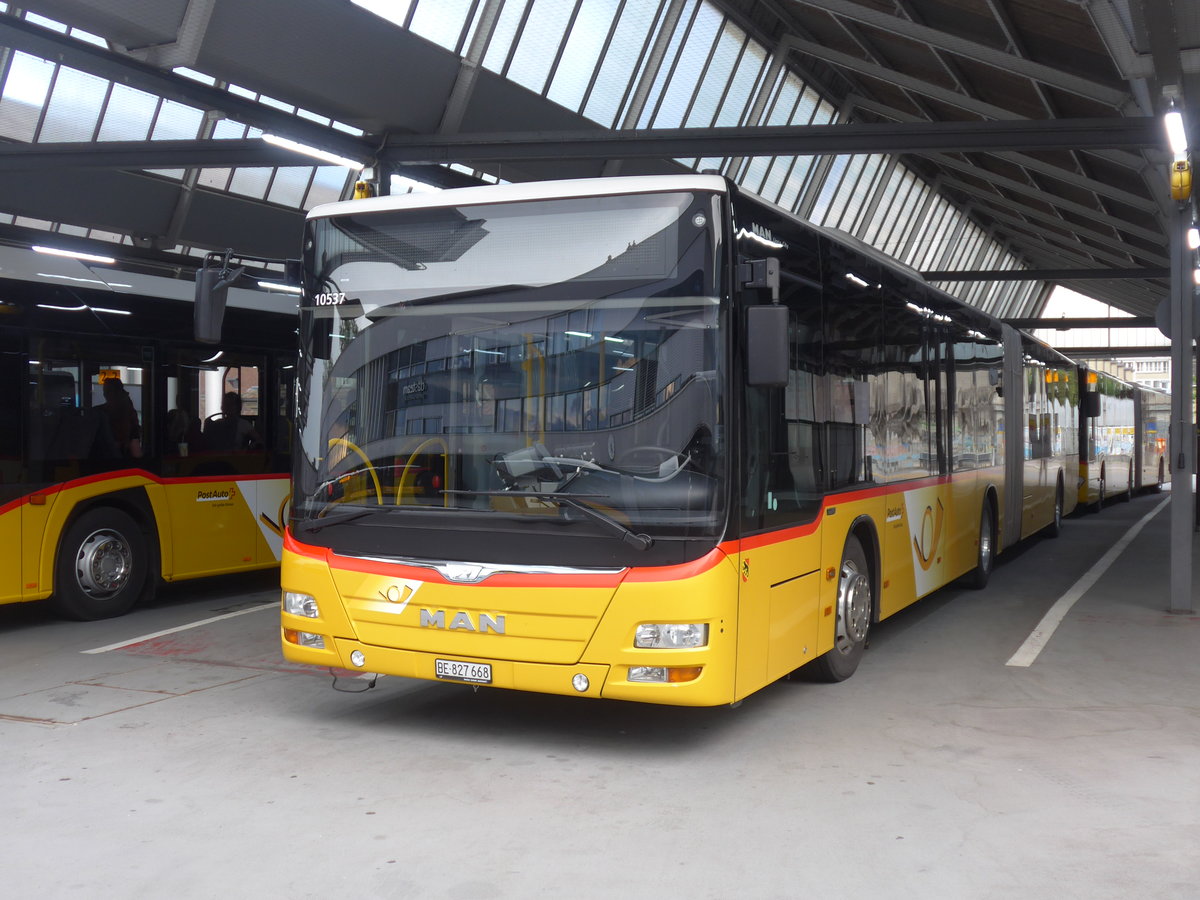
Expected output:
(671, 636)
(664, 674)
(300, 605)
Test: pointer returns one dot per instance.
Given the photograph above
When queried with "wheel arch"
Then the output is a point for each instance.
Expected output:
(132, 501)
(864, 529)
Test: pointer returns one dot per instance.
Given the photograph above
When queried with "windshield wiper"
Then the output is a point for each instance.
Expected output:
(315, 525)
(636, 540)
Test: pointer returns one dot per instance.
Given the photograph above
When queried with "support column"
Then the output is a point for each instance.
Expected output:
(1182, 446)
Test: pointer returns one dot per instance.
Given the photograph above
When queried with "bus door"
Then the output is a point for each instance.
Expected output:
(215, 452)
(783, 475)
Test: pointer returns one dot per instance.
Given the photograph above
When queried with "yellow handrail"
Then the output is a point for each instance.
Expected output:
(404, 474)
(333, 442)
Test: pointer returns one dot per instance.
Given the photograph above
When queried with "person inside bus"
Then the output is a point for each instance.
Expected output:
(122, 418)
(182, 428)
(62, 431)
(227, 431)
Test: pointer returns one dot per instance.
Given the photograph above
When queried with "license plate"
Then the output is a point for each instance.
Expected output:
(476, 673)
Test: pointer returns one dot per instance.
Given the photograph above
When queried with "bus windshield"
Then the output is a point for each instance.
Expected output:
(534, 382)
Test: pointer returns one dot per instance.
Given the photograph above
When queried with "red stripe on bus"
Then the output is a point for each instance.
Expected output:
(691, 569)
(53, 489)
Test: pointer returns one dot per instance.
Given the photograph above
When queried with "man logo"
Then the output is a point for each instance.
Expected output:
(436, 618)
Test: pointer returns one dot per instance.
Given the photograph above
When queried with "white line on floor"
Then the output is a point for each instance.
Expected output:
(158, 634)
(1041, 635)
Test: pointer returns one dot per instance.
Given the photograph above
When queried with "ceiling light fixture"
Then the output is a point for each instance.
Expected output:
(276, 286)
(1176, 133)
(73, 254)
(324, 155)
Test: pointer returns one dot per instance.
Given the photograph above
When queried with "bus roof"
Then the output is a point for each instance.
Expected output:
(529, 190)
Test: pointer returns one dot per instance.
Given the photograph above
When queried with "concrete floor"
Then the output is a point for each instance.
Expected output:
(197, 764)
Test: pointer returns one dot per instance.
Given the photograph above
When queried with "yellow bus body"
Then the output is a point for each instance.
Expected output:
(768, 601)
(200, 525)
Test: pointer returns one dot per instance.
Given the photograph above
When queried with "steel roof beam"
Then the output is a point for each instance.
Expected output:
(1009, 186)
(935, 92)
(42, 42)
(1092, 237)
(1083, 322)
(1024, 161)
(779, 140)
(1045, 274)
(148, 155)
(988, 55)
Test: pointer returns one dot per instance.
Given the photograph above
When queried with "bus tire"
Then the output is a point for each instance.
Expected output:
(855, 603)
(1054, 529)
(1103, 490)
(985, 557)
(102, 565)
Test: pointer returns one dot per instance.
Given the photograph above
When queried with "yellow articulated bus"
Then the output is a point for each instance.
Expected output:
(130, 454)
(644, 438)
(1122, 438)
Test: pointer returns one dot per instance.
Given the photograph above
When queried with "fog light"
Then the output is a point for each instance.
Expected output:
(664, 674)
(358, 659)
(304, 638)
(671, 636)
(580, 683)
(300, 605)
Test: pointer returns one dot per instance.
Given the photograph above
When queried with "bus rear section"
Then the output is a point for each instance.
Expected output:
(1108, 445)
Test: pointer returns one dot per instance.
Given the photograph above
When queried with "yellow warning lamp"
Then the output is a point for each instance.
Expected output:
(1181, 179)
(363, 189)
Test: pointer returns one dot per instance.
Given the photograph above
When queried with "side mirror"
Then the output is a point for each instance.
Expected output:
(315, 334)
(1090, 401)
(767, 356)
(212, 290)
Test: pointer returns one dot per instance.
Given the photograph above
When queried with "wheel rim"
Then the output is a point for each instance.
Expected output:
(854, 607)
(985, 542)
(1058, 509)
(103, 564)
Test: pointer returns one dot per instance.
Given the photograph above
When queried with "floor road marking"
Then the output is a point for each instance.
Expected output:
(158, 634)
(1041, 635)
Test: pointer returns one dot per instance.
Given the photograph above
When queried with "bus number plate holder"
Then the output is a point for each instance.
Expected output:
(455, 670)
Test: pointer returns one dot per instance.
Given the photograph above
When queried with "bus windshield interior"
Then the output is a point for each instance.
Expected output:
(576, 393)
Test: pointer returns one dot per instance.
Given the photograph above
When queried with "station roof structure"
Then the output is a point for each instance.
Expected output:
(998, 146)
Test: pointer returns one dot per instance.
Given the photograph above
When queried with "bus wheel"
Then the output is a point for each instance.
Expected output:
(1054, 529)
(1103, 491)
(854, 602)
(101, 567)
(986, 556)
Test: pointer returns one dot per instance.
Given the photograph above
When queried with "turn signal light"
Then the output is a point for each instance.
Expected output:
(304, 638)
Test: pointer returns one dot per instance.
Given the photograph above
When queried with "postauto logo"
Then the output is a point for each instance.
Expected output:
(211, 495)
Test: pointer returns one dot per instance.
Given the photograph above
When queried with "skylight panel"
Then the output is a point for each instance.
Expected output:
(393, 11)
